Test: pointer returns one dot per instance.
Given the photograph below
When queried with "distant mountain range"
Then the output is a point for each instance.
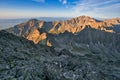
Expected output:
(81, 48)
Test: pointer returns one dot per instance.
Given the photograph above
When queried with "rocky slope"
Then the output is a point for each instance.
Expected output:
(37, 30)
(21, 59)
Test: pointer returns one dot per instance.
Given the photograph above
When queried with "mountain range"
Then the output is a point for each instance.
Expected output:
(37, 31)
(81, 48)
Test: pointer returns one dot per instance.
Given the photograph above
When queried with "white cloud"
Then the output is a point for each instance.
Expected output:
(39, 0)
(63, 1)
(87, 5)
(98, 7)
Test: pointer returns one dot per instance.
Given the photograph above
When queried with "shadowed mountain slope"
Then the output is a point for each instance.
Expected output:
(21, 59)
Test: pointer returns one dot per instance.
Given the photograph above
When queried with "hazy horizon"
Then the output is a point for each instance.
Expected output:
(7, 23)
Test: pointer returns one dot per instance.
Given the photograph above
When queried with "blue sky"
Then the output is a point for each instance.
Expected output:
(59, 8)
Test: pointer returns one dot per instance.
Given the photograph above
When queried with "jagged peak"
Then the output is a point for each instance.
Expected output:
(84, 16)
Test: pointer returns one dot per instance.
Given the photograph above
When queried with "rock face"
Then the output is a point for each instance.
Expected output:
(36, 37)
(75, 25)
(48, 43)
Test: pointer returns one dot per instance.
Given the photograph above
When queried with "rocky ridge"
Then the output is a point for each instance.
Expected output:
(38, 30)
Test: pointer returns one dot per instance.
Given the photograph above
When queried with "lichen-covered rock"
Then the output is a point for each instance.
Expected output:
(21, 59)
